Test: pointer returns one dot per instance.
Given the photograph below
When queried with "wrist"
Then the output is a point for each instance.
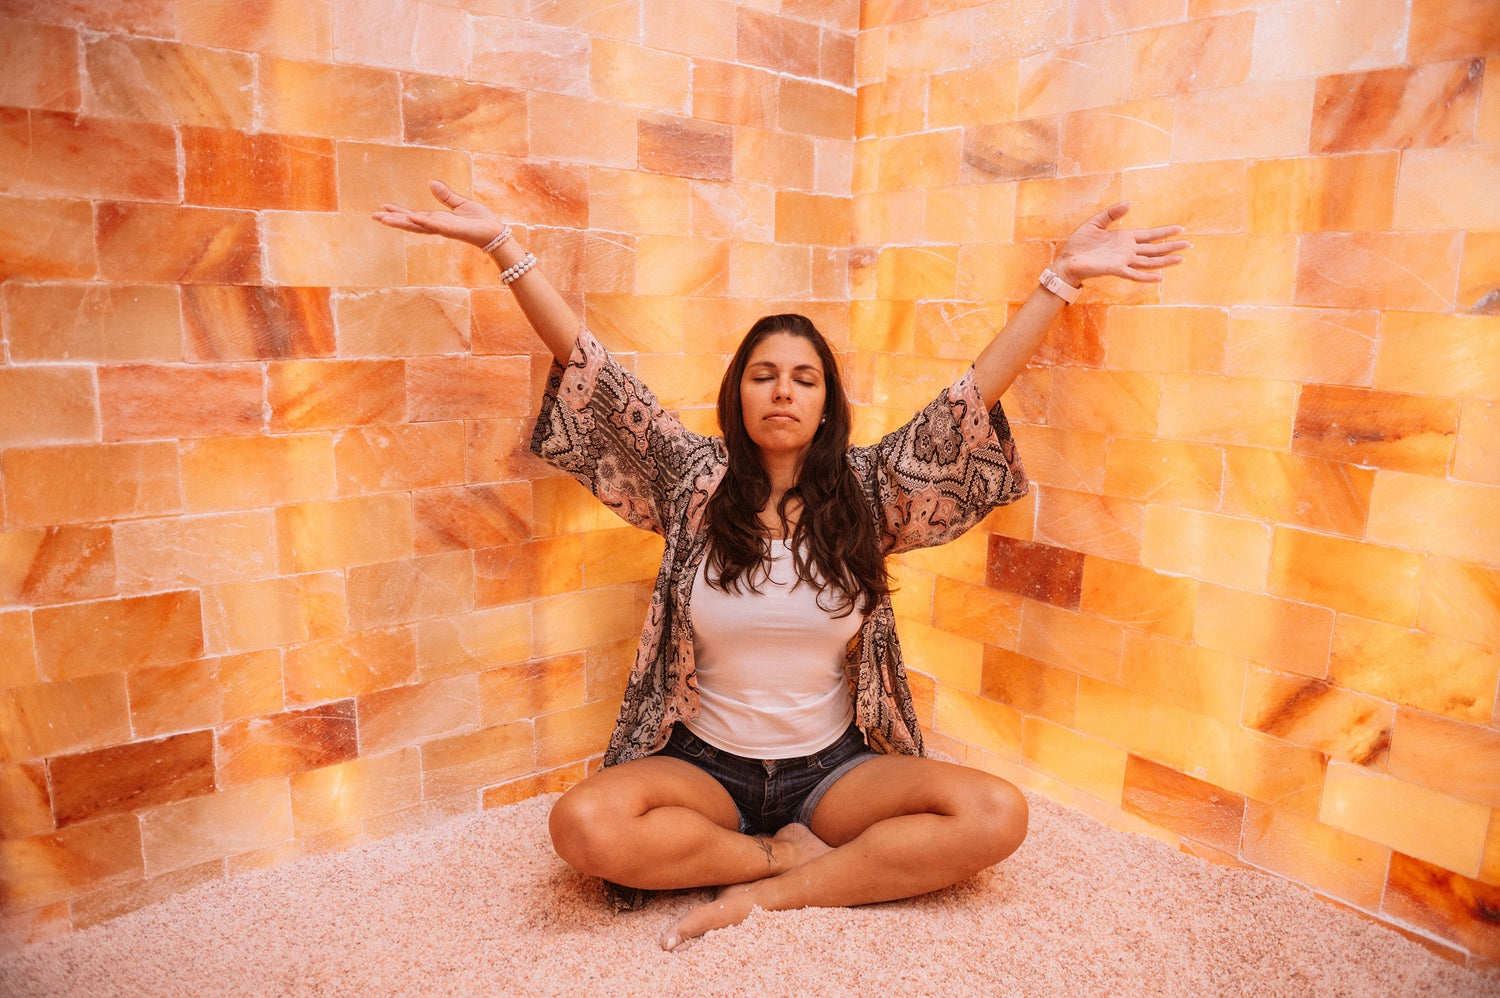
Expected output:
(494, 244)
(1063, 268)
(1058, 285)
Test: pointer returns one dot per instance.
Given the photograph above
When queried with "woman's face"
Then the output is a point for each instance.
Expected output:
(782, 393)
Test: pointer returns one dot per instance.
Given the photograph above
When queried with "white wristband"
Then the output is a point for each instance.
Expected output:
(1058, 286)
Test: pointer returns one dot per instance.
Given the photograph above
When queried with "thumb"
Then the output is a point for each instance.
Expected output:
(445, 194)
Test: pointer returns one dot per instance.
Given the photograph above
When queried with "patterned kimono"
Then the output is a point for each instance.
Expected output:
(926, 483)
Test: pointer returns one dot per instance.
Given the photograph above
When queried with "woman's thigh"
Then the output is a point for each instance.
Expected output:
(613, 796)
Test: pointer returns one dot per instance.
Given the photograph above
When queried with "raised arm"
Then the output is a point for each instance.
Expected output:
(470, 222)
(1093, 250)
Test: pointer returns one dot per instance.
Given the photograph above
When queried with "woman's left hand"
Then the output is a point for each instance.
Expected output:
(1096, 250)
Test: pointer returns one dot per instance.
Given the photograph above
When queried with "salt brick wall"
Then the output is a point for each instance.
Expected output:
(277, 575)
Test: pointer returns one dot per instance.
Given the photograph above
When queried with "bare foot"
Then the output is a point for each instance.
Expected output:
(795, 845)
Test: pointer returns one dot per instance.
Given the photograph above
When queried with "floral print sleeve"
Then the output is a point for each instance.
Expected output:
(943, 471)
(603, 426)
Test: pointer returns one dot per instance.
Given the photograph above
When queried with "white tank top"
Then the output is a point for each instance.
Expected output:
(770, 665)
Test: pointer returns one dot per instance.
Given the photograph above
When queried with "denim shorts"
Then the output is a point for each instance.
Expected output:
(772, 793)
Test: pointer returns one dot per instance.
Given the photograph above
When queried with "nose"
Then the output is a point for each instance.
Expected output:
(783, 389)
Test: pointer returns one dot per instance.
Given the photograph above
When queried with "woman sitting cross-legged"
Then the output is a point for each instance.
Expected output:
(767, 743)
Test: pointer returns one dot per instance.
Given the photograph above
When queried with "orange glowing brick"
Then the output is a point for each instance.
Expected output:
(338, 796)
(204, 693)
(1068, 459)
(1093, 74)
(144, 402)
(1461, 600)
(1029, 686)
(1430, 514)
(41, 62)
(574, 621)
(56, 718)
(1259, 767)
(1462, 760)
(1310, 40)
(1453, 906)
(971, 95)
(47, 239)
(177, 245)
(317, 394)
(1249, 269)
(52, 404)
(1205, 197)
(1420, 670)
(1319, 715)
(326, 250)
(1280, 633)
(1326, 194)
(976, 612)
(1447, 189)
(808, 108)
(61, 865)
(1259, 120)
(733, 94)
(409, 715)
(1098, 525)
(1087, 645)
(1422, 106)
(1125, 137)
(1325, 346)
(251, 472)
(574, 734)
(1003, 272)
(90, 322)
(52, 485)
(1199, 54)
(1410, 819)
(459, 115)
(1166, 339)
(1358, 426)
(337, 101)
(1353, 577)
(1207, 546)
(1415, 271)
(1052, 208)
(17, 650)
(399, 592)
(530, 689)
(1199, 680)
(52, 153)
(1109, 402)
(1248, 411)
(169, 553)
(1309, 852)
(144, 78)
(978, 721)
(1010, 150)
(1088, 764)
(1189, 807)
(1272, 485)
(228, 823)
(479, 759)
(401, 457)
(1158, 471)
(320, 535)
(473, 642)
(1140, 724)
(1139, 597)
(401, 322)
(82, 639)
(622, 555)
(948, 658)
(27, 809)
(1443, 355)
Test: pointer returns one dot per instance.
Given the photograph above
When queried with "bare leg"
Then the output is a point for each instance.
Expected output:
(662, 824)
(902, 826)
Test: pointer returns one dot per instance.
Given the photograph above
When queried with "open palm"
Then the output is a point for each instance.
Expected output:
(465, 220)
(1096, 250)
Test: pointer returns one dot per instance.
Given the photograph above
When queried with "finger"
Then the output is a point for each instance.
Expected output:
(1158, 233)
(1110, 215)
(1162, 249)
(445, 194)
(1142, 276)
(1157, 264)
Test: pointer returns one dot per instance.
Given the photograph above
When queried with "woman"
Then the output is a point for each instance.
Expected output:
(742, 755)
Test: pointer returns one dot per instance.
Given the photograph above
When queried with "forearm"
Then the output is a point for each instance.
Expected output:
(550, 316)
(1006, 356)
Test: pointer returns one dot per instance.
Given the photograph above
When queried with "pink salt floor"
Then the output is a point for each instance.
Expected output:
(481, 906)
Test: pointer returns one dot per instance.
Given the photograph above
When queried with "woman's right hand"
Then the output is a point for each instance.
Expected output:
(465, 220)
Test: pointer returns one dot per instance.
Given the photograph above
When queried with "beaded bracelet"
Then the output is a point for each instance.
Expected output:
(490, 246)
(515, 270)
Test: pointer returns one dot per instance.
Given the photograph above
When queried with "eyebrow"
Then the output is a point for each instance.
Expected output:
(774, 366)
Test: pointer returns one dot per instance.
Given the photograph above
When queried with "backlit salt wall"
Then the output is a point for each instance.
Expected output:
(1253, 604)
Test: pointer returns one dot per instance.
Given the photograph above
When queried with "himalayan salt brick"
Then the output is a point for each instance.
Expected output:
(48, 405)
(1205, 545)
(1001, 151)
(1283, 634)
(553, 781)
(808, 108)
(1112, 17)
(683, 147)
(1252, 121)
(1088, 764)
(997, 272)
(399, 592)
(632, 74)
(91, 322)
(1488, 129)
(1319, 715)
(970, 95)
(327, 394)
(773, 158)
(1110, 402)
(1458, 759)
(610, 139)
(1461, 600)
(1052, 208)
(27, 802)
(1245, 411)
(1398, 271)
(17, 650)
(98, 907)
(349, 665)
(1412, 433)
(1489, 870)
(1161, 471)
(47, 239)
(977, 721)
(1419, 670)
(523, 690)
(529, 56)
(755, 268)
(251, 472)
(603, 18)
(471, 517)
(231, 169)
(1089, 646)
(1200, 54)
(401, 457)
(942, 656)
(1324, 858)
(668, 265)
(1408, 107)
(1439, 355)
(573, 735)
(1098, 525)
(1455, 519)
(638, 203)
(1447, 189)
(149, 401)
(455, 114)
(295, 741)
(618, 556)
(41, 65)
(316, 536)
(1442, 29)
(1321, 345)
(1166, 339)
(54, 485)
(887, 217)
(897, 105)
(282, 27)
(1249, 763)
(270, 613)
(402, 322)
(1139, 597)
(63, 864)
(910, 383)
(46, 153)
(514, 573)
(228, 823)
(178, 698)
(477, 759)
(131, 777)
(1329, 496)
(1125, 137)
(1205, 197)
(56, 718)
(1410, 819)
(1135, 722)
(102, 636)
(1189, 807)
(499, 450)
(1199, 680)
(173, 244)
(1446, 903)
(244, 322)
(1092, 74)
(1029, 686)
(961, 329)
(178, 552)
(586, 262)
(334, 101)
(976, 612)
(1478, 286)
(1229, 270)
(967, 213)
(325, 250)
(370, 174)
(1311, 39)
(1350, 576)
(608, 666)
(777, 43)
(924, 160)
(347, 794)
(636, 323)
(561, 506)
(420, 36)
(811, 218)
(1067, 459)
(151, 80)
(473, 642)
(1324, 194)
(574, 621)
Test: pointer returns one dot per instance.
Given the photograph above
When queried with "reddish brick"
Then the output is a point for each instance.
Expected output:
(129, 777)
(1037, 571)
(231, 169)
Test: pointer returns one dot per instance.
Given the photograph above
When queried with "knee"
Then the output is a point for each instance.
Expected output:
(580, 825)
(1003, 814)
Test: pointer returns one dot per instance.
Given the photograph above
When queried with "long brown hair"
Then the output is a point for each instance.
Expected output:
(835, 537)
